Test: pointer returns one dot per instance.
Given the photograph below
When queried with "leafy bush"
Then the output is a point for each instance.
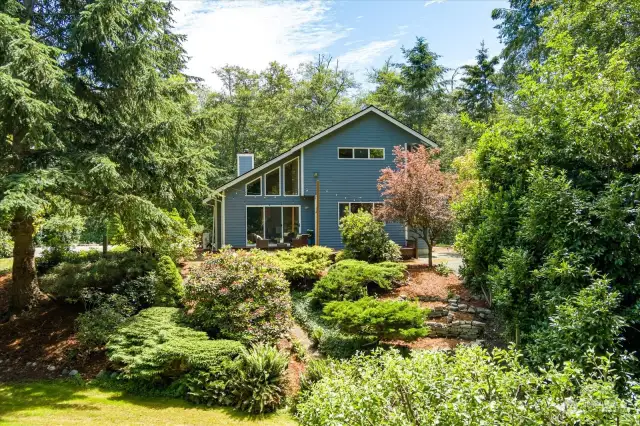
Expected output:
(239, 295)
(443, 269)
(258, 385)
(584, 322)
(348, 280)
(169, 287)
(326, 337)
(211, 386)
(139, 292)
(153, 346)
(97, 325)
(315, 371)
(67, 279)
(303, 264)
(6, 244)
(382, 319)
(365, 238)
(467, 387)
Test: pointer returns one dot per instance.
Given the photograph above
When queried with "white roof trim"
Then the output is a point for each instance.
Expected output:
(322, 134)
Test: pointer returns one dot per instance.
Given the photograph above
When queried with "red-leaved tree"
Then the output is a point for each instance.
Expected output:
(418, 194)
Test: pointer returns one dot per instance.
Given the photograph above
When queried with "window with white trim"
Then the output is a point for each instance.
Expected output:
(273, 223)
(272, 182)
(361, 153)
(291, 171)
(254, 187)
(346, 208)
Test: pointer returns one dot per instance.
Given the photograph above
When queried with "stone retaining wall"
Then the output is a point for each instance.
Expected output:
(463, 329)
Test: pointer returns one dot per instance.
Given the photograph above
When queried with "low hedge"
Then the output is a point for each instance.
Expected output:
(304, 264)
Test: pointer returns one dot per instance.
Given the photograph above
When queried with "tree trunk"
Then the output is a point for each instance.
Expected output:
(430, 248)
(23, 290)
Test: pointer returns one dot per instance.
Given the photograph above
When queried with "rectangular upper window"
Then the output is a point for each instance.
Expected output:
(291, 171)
(272, 182)
(254, 187)
(361, 153)
(346, 208)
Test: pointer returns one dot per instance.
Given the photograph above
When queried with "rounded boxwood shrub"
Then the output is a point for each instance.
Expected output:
(239, 295)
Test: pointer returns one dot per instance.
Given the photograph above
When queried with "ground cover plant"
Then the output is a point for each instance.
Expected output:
(468, 386)
(239, 295)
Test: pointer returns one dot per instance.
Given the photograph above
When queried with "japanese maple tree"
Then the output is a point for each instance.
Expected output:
(418, 194)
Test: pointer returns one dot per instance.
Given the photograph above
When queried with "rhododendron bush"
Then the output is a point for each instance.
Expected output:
(240, 295)
(418, 194)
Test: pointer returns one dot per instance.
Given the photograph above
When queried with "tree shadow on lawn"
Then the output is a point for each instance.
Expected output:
(16, 397)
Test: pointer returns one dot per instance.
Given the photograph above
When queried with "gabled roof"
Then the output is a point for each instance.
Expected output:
(370, 109)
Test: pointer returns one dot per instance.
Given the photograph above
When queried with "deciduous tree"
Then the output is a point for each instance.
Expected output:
(418, 194)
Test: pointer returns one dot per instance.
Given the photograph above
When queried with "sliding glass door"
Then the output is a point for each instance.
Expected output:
(274, 223)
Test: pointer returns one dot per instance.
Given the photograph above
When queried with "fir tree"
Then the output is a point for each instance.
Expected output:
(478, 86)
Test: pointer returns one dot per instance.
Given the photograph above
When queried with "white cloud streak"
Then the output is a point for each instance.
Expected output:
(251, 34)
(430, 2)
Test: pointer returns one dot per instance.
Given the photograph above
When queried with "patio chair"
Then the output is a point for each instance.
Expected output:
(261, 243)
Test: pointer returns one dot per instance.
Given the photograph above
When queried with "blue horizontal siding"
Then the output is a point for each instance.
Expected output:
(352, 180)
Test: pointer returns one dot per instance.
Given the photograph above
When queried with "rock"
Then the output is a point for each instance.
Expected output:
(478, 324)
(73, 372)
(65, 372)
(114, 375)
(51, 368)
(453, 301)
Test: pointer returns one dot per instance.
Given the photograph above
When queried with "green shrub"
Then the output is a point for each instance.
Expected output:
(349, 279)
(315, 371)
(6, 244)
(153, 346)
(169, 286)
(303, 264)
(584, 322)
(443, 269)
(258, 385)
(67, 279)
(329, 341)
(467, 387)
(139, 292)
(365, 239)
(96, 326)
(382, 319)
(239, 295)
(211, 386)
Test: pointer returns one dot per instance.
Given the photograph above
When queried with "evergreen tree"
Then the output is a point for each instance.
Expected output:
(478, 86)
(94, 108)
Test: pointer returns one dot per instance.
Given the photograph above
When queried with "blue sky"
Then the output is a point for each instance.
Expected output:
(359, 34)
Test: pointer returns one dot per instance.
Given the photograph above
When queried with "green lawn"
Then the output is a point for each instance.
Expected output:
(5, 264)
(58, 402)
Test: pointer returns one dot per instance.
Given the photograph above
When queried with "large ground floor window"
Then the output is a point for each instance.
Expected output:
(273, 223)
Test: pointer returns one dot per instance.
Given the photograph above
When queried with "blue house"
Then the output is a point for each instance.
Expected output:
(310, 186)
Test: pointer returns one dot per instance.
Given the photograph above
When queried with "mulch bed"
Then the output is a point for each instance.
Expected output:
(427, 343)
(45, 335)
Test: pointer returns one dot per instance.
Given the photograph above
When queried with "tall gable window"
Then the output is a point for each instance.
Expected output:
(272, 182)
(361, 153)
(254, 187)
(291, 180)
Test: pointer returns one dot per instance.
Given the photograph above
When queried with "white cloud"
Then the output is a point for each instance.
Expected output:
(430, 2)
(251, 34)
(365, 55)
